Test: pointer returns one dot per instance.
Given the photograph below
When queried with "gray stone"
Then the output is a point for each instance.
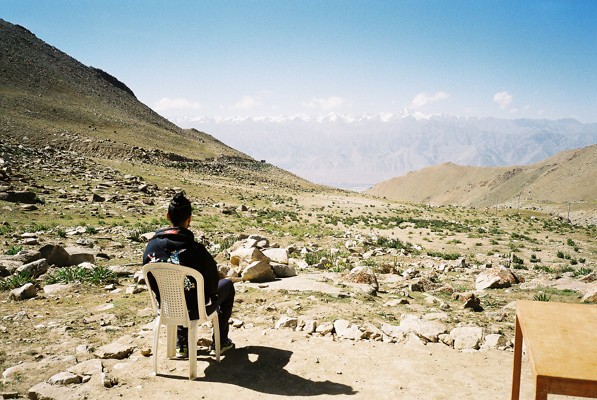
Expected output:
(89, 367)
(283, 270)
(64, 378)
(244, 256)
(55, 255)
(46, 391)
(287, 322)
(467, 337)
(108, 380)
(123, 270)
(494, 341)
(345, 329)
(8, 267)
(25, 197)
(500, 277)
(393, 331)
(114, 350)
(78, 255)
(324, 329)
(258, 271)
(364, 275)
(428, 330)
(279, 256)
(58, 288)
(35, 268)
(27, 291)
(27, 256)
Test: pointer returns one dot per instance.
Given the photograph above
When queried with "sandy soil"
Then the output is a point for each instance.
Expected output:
(274, 364)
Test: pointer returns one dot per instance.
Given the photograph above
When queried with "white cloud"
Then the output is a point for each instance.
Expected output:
(166, 104)
(423, 98)
(503, 99)
(326, 104)
(247, 103)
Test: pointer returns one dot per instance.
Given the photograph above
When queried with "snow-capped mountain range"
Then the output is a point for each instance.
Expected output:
(352, 151)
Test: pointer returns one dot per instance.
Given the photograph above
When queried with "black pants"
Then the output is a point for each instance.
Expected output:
(224, 307)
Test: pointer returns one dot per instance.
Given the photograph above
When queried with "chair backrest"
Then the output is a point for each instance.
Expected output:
(170, 279)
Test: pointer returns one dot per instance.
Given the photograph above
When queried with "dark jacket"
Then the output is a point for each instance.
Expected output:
(178, 246)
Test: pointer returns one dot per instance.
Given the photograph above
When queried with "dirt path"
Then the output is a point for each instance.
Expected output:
(281, 363)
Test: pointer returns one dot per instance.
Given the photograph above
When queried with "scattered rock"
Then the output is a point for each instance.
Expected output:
(115, 350)
(467, 337)
(27, 291)
(258, 271)
(64, 378)
(494, 278)
(345, 329)
(287, 322)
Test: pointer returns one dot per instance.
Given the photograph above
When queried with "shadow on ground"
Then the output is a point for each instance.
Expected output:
(261, 369)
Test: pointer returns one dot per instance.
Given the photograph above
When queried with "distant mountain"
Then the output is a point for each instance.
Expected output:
(569, 176)
(48, 98)
(343, 150)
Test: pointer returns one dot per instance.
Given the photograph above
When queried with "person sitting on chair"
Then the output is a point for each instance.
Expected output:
(176, 244)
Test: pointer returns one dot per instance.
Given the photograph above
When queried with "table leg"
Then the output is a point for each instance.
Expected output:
(517, 362)
(541, 388)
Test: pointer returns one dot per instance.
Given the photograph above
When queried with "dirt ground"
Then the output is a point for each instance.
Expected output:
(282, 363)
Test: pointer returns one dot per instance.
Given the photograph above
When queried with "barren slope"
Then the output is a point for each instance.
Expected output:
(567, 177)
(49, 98)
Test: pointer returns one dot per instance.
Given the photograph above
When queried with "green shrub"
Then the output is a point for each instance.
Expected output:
(534, 259)
(11, 251)
(6, 229)
(517, 260)
(16, 280)
(95, 276)
(445, 256)
(542, 297)
(582, 271)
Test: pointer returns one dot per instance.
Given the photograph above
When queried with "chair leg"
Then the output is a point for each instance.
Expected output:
(171, 341)
(192, 346)
(156, 335)
(216, 327)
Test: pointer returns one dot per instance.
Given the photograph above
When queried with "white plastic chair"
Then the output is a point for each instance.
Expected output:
(172, 310)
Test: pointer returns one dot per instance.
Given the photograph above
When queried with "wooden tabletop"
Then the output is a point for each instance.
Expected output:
(560, 338)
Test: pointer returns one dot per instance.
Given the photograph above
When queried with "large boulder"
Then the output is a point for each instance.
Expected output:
(19, 197)
(244, 256)
(494, 278)
(258, 271)
(279, 256)
(27, 256)
(55, 255)
(79, 255)
(35, 268)
(283, 270)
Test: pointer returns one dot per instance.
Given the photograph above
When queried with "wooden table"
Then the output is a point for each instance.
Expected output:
(561, 344)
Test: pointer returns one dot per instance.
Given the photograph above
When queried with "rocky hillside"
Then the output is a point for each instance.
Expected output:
(47, 98)
(566, 177)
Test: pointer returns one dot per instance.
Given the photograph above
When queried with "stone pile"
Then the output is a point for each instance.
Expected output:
(253, 259)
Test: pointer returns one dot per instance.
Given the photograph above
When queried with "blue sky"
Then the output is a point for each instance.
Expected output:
(506, 59)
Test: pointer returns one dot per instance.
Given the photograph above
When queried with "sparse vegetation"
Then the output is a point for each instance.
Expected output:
(96, 276)
(15, 281)
(542, 297)
(11, 251)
